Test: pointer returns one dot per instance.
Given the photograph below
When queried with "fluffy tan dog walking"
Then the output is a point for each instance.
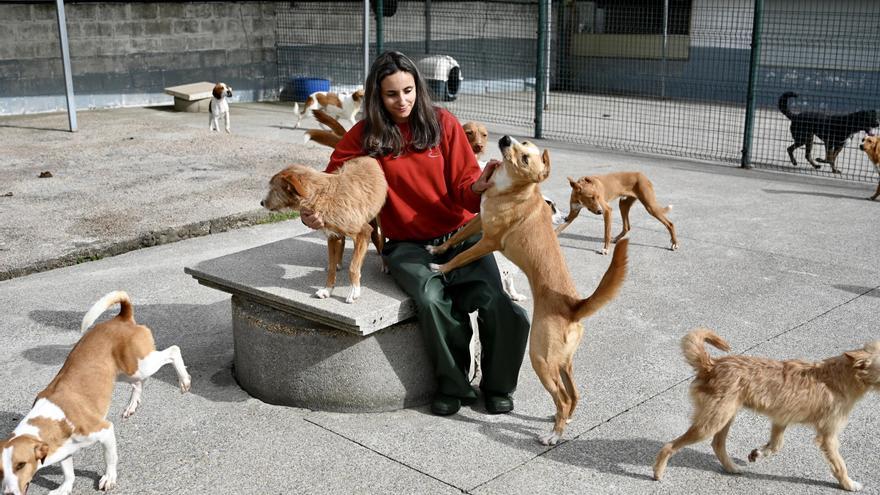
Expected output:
(515, 220)
(347, 201)
(819, 394)
(595, 192)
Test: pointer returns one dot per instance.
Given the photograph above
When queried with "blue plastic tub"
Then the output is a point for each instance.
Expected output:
(304, 86)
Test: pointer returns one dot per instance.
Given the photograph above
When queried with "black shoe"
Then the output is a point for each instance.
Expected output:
(498, 403)
(445, 405)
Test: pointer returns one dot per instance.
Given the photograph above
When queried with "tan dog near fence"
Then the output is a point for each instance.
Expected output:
(595, 192)
(871, 146)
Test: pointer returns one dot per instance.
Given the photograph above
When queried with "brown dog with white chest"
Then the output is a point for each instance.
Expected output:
(477, 136)
(71, 413)
(595, 192)
(820, 394)
(871, 146)
(346, 200)
(515, 220)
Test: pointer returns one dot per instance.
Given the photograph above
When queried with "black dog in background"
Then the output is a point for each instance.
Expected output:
(833, 130)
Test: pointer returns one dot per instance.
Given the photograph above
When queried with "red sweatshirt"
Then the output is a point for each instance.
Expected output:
(429, 192)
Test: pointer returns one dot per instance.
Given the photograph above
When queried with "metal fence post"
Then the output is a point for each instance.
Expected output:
(754, 58)
(366, 40)
(380, 14)
(65, 57)
(540, 69)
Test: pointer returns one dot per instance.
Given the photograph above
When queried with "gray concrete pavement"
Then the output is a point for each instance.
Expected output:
(781, 266)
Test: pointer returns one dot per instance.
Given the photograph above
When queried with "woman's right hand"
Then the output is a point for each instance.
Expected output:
(311, 219)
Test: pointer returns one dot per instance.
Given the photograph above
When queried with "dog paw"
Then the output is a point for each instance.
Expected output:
(603, 251)
(132, 407)
(353, 295)
(185, 384)
(107, 483)
(732, 470)
(431, 249)
(754, 455)
(62, 490)
(854, 486)
(674, 247)
(434, 267)
(550, 439)
(323, 293)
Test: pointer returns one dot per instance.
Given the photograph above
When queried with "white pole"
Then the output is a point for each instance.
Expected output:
(65, 57)
(366, 40)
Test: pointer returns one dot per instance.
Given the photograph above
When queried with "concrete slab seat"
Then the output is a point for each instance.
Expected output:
(323, 354)
(193, 97)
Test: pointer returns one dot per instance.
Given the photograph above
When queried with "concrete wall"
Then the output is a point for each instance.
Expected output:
(125, 54)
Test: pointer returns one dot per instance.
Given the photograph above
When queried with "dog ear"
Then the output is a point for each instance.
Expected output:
(545, 157)
(41, 451)
(859, 360)
(572, 182)
(291, 184)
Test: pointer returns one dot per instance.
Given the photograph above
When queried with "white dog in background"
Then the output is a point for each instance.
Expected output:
(218, 108)
(337, 105)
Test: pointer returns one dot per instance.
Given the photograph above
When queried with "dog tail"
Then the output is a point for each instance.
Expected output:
(126, 312)
(694, 349)
(608, 286)
(325, 118)
(326, 138)
(783, 103)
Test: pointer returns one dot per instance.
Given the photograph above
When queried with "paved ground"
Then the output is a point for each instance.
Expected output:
(781, 266)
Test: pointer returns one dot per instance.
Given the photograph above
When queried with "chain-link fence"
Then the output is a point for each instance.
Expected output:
(676, 77)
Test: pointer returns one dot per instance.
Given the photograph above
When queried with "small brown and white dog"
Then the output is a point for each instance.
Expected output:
(218, 107)
(595, 192)
(515, 220)
(347, 201)
(337, 105)
(71, 413)
(819, 394)
(871, 146)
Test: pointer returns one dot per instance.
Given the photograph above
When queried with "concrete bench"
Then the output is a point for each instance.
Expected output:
(322, 354)
(193, 97)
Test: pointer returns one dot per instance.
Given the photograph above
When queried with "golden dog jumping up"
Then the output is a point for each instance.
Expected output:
(515, 220)
(595, 192)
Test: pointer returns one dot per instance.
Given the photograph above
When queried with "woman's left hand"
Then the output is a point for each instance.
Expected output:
(485, 180)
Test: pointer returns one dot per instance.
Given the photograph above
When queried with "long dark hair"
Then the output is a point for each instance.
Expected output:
(381, 135)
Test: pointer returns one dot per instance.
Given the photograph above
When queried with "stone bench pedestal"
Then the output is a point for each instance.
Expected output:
(195, 97)
(322, 354)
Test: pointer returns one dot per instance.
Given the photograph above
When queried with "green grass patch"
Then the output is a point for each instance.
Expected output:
(87, 258)
(275, 217)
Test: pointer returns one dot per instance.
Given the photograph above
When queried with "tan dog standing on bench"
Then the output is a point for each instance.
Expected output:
(595, 192)
(71, 413)
(515, 220)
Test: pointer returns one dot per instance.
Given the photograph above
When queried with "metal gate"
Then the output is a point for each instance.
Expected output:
(674, 77)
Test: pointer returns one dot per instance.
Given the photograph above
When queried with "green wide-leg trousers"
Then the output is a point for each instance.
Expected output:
(443, 303)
